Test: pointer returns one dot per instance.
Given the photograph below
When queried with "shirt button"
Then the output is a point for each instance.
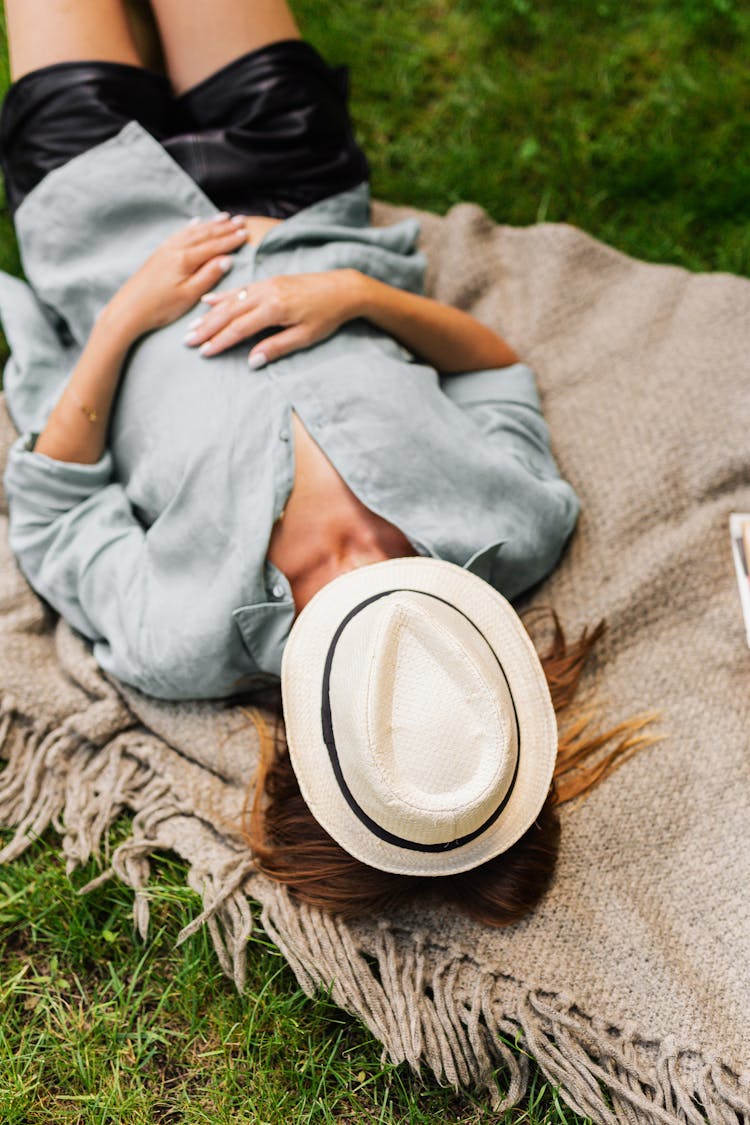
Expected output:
(278, 590)
(284, 435)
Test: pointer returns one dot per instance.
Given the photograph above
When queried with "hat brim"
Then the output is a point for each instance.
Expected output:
(302, 672)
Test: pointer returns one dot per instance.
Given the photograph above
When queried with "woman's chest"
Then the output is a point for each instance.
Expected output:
(325, 529)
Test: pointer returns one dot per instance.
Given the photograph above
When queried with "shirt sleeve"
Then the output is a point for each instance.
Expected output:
(504, 403)
(79, 543)
(542, 508)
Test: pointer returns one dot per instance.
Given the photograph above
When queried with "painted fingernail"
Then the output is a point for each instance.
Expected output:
(194, 221)
(222, 215)
(191, 338)
(209, 298)
(225, 264)
(256, 360)
(239, 220)
(207, 348)
(194, 323)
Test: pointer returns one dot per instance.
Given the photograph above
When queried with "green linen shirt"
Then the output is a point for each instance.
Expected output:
(157, 553)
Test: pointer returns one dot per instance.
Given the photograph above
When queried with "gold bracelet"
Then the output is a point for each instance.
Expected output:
(90, 414)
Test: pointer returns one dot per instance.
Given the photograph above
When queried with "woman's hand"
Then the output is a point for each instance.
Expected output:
(308, 307)
(175, 277)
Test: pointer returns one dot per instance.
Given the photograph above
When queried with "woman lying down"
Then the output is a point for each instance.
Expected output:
(253, 452)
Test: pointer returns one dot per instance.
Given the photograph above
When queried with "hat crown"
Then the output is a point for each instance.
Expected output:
(427, 738)
(403, 682)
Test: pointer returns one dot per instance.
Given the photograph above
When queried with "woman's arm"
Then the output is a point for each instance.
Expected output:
(72, 527)
(76, 429)
(447, 338)
(166, 286)
(309, 307)
(80, 544)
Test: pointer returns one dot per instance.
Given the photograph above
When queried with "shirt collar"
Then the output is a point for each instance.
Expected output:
(481, 561)
(265, 626)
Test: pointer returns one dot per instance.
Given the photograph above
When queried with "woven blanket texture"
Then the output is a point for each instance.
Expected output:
(630, 984)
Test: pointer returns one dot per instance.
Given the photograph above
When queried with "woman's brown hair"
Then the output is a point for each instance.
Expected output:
(292, 848)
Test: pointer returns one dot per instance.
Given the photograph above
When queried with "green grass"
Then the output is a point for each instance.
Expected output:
(95, 1027)
(629, 120)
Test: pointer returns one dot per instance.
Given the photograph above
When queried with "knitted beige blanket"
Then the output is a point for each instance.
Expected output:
(630, 985)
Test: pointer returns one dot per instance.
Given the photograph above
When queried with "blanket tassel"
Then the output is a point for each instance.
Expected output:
(429, 1008)
(58, 778)
(226, 913)
(32, 786)
(467, 1026)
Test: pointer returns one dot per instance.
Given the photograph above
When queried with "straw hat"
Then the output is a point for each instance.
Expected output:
(418, 717)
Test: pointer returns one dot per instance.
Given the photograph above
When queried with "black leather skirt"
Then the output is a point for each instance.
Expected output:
(268, 134)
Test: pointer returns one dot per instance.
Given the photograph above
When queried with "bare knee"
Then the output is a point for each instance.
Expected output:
(44, 32)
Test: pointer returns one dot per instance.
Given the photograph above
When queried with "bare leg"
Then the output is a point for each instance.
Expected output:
(199, 37)
(42, 32)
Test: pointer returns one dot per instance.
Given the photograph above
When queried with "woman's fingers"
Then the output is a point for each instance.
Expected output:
(234, 303)
(204, 240)
(198, 230)
(209, 274)
(238, 328)
(228, 294)
(223, 241)
(239, 314)
(280, 344)
(191, 232)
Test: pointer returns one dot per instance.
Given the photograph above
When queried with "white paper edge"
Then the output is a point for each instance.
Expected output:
(736, 522)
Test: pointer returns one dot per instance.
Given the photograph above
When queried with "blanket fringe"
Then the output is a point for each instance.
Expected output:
(467, 1025)
(227, 914)
(32, 786)
(426, 1005)
(58, 778)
